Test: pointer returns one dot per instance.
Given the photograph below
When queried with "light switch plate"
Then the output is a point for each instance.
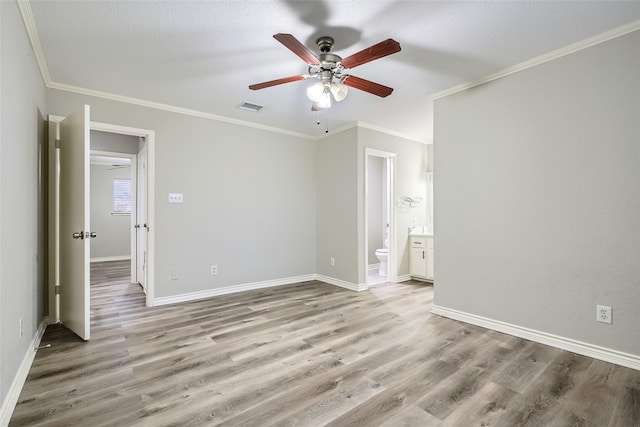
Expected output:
(175, 198)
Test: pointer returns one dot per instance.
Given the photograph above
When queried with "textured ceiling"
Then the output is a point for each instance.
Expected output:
(202, 55)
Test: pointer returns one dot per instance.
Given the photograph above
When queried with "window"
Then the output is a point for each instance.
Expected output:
(121, 196)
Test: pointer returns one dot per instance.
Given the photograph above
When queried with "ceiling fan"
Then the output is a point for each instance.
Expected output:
(331, 70)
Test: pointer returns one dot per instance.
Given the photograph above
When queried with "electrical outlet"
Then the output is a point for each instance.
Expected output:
(214, 270)
(21, 330)
(174, 275)
(332, 261)
(603, 314)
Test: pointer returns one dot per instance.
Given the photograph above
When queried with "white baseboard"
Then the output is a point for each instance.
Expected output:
(372, 267)
(403, 278)
(601, 353)
(11, 399)
(192, 296)
(358, 287)
(111, 258)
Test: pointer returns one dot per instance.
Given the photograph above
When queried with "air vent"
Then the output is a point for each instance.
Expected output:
(250, 107)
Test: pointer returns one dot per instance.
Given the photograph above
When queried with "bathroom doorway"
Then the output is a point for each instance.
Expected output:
(379, 221)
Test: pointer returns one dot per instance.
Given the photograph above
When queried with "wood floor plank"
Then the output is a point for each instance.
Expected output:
(308, 354)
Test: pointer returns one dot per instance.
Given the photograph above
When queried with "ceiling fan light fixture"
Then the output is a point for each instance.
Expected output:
(320, 93)
(315, 91)
(339, 91)
(325, 100)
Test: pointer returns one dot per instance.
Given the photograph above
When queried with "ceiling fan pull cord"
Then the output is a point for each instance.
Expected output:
(326, 121)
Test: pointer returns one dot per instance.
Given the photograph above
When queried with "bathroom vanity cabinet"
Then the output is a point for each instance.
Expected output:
(421, 257)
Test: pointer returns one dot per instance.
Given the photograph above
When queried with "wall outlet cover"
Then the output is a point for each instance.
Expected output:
(603, 314)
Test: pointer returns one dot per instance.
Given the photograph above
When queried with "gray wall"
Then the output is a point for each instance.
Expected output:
(22, 200)
(114, 231)
(249, 197)
(537, 192)
(337, 198)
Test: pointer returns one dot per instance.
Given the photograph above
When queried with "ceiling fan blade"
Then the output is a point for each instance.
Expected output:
(315, 106)
(277, 82)
(298, 48)
(377, 51)
(367, 86)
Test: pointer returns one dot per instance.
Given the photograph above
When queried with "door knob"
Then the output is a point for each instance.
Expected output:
(93, 234)
(79, 235)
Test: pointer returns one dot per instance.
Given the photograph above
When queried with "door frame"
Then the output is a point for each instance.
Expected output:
(392, 274)
(54, 220)
(149, 139)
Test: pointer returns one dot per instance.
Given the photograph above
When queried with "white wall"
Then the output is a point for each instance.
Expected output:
(537, 192)
(113, 231)
(249, 197)
(22, 201)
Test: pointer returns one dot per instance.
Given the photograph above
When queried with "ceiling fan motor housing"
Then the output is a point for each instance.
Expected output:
(325, 44)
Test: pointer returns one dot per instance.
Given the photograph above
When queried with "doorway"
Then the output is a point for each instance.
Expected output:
(146, 139)
(141, 243)
(379, 218)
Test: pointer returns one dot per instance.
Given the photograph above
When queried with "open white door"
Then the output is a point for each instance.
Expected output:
(142, 225)
(74, 222)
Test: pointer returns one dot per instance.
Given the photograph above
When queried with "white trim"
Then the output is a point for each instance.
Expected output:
(420, 279)
(192, 296)
(392, 133)
(11, 399)
(111, 258)
(601, 353)
(549, 56)
(335, 131)
(34, 38)
(403, 278)
(357, 287)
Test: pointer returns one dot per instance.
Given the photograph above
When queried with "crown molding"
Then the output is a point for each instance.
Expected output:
(550, 56)
(391, 132)
(170, 108)
(32, 33)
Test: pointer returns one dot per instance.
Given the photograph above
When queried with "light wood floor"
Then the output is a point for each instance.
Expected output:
(309, 354)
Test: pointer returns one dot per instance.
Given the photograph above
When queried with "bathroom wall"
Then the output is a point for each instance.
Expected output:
(375, 206)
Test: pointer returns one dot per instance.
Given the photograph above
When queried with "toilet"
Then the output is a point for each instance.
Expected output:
(381, 254)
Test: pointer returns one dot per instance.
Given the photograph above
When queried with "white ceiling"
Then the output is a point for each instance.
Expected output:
(202, 55)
